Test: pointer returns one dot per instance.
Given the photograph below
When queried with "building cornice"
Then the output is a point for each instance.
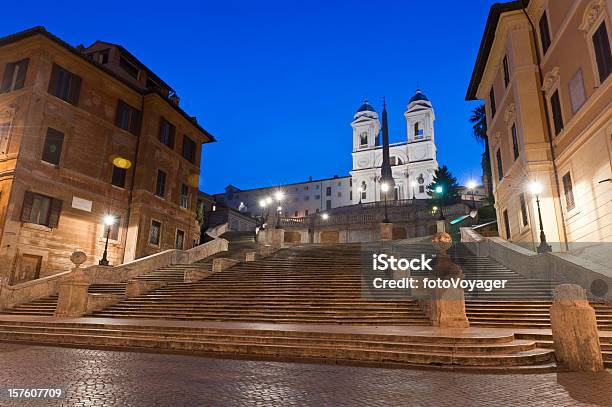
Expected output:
(488, 38)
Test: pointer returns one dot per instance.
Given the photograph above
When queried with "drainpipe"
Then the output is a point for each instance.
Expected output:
(133, 181)
(524, 5)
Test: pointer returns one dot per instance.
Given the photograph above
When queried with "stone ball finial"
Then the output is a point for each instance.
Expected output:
(442, 241)
(78, 258)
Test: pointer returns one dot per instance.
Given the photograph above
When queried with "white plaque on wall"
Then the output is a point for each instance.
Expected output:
(81, 204)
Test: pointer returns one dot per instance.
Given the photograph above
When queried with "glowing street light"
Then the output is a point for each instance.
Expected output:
(471, 186)
(108, 221)
(279, 197)
(263, 203)
(439, 190)
(536, 189)
(324, 216)
(384, 187)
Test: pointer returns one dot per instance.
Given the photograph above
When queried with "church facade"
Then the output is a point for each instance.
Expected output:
(413, 163)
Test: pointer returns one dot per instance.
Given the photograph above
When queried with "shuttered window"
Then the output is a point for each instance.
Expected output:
(544, 33)
(118, 178)
(500, 169)
(189, 149)
(127, 118)
(524, 214)
(555, 107)
(65, 85)
(184, 198)
(568, 189)
(160, 185)
(166, 132)
(52, 149)
(41, 210)
(506, 71)
(14, 76)
(180, 239)
(155, 233)
(515, 142)
(603, 55)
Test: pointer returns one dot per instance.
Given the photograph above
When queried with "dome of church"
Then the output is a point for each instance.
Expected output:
(418, 96)
(366, 107)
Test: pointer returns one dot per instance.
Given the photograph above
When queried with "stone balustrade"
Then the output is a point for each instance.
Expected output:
(560, 267)
(46, 286)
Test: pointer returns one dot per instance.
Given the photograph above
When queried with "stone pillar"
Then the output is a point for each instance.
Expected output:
(73, 297)
(222, 263)
(272, 237)
(386, 231)
(574, 330)
(446, 307)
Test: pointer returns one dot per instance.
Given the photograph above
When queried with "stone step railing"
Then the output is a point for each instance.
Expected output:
(559, 267)
(397, 211)
(11, 296)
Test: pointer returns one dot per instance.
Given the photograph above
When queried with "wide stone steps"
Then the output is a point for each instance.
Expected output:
(502, 353)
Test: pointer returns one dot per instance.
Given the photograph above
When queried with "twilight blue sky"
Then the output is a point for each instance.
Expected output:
(277, 82)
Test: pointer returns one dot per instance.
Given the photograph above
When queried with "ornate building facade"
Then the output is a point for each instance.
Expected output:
(413, 163)
(544, 72)
(85, 133)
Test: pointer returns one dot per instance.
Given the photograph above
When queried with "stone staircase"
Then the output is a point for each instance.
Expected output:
(306, 284)
(545, 341)
(240, 242)
(491, 352)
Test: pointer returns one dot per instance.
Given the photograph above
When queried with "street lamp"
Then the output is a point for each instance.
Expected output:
(262, 204)
(471, 185)
(439, 190)
(536, 188)
(324, 216)
(384, 187)
(108, 220)
(279, 197)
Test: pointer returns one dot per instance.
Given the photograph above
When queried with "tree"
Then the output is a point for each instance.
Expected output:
(479, 129)
(451, 192)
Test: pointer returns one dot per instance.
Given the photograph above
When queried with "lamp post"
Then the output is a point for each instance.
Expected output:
(262, 205)
(279, 197)
(384, 188)
(109, 220)
(471, 185)
(536, 188)
(440, 191)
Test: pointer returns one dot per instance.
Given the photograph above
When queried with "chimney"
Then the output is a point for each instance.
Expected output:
(174, 99)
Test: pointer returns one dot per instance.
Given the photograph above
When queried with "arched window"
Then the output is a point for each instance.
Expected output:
(363, 140)
(418, 131)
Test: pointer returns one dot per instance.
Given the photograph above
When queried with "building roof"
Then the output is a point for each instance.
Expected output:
(366, 107)
(418, 96)
(132, 57)
(40, 30)
(238, 191)
(486, 43)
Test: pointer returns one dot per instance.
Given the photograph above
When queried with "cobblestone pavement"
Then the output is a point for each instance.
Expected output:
(107, 378)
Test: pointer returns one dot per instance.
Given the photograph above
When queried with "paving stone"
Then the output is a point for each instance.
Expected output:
(109, 378)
